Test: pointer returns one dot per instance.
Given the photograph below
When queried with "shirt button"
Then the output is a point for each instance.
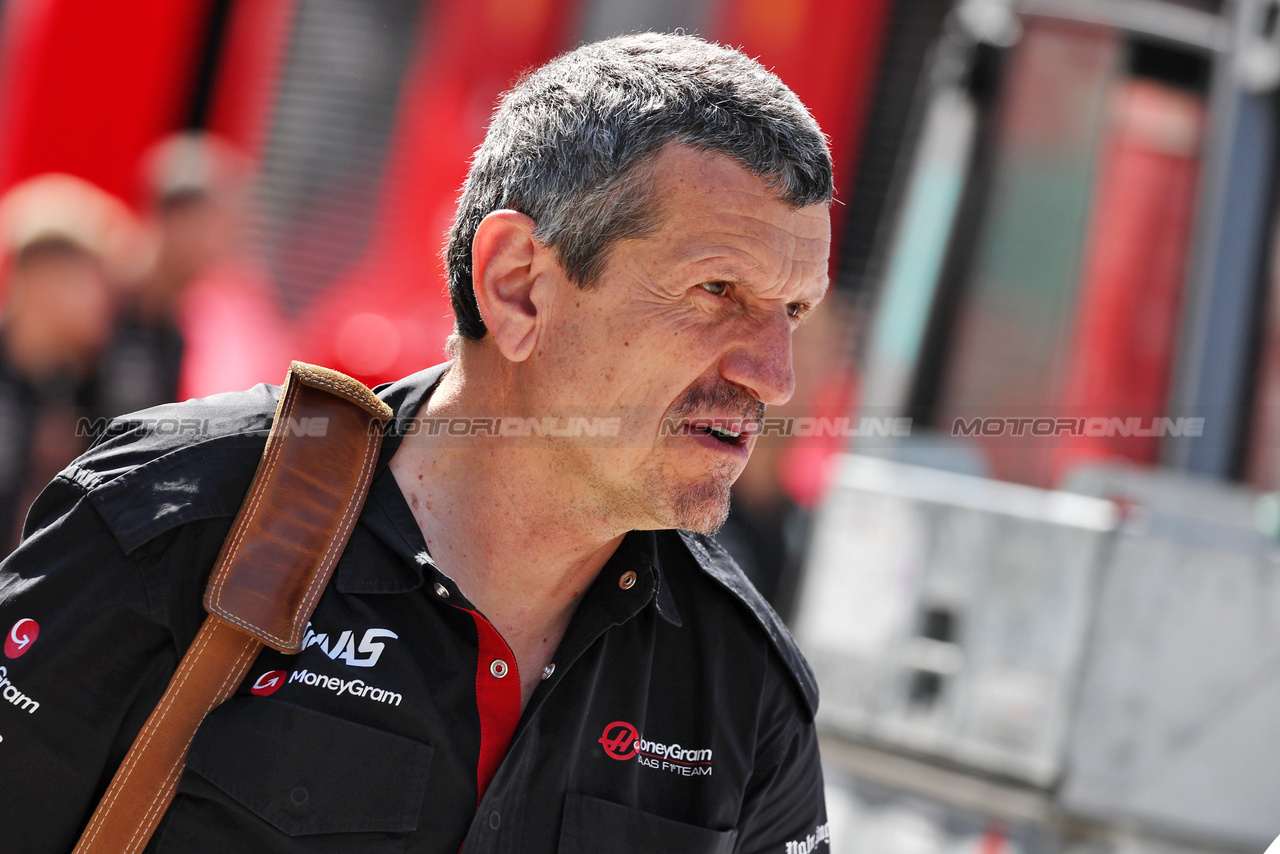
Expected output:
(494, 820)
(628, 580)
(442, 591)
(548, 670)
(499, 669)
(300, 795)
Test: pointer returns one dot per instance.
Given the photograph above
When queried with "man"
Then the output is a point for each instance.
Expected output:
(64, 245)
(193, 188)
(515, 653)
(204, 320)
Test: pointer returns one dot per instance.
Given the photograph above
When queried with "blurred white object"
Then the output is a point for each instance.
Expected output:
(946, 614)
(55, 206)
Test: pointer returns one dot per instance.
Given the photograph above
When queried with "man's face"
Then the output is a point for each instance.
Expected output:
(195, 234)
(68, 294)
(689, 327)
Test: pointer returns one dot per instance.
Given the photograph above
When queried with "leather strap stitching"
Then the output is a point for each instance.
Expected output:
(248, 513)
(152, 727)
(243, 660)
(318, 579)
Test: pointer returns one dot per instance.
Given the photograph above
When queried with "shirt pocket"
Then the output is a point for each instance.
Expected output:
(593, 826)
(306, 774)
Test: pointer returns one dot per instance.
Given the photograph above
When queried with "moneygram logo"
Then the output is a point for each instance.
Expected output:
(622, 741)
(10, 692)
(618, 740)
(268, 683)
(273, 680)
(21, 636)
(352, 687)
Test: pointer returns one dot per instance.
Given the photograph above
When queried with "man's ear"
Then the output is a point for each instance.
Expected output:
(505, 263)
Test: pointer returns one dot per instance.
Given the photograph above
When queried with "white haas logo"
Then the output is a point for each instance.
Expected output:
(345, 647)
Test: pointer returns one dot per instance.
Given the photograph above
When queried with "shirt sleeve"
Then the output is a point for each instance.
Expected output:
(785, 808)
(90, 640)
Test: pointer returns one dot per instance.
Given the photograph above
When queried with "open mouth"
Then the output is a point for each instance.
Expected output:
(723, 433)
(727, 436)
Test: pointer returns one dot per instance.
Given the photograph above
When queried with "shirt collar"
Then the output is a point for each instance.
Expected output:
(386, 515)
(405, 397)
(638, 553)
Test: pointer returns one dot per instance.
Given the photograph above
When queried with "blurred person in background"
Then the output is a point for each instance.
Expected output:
(64, 243)
(201, 320)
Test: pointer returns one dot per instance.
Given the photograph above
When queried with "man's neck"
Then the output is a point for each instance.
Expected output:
(497, 520)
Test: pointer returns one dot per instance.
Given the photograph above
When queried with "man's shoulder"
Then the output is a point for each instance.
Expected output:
(140, 436)
(161, 467)
(728, 580)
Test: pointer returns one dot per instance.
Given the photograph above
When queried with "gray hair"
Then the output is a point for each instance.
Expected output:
(568, 145)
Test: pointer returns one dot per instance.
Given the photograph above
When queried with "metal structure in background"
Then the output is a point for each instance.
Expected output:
(913, 29)
(1074, 672)
(1000, 673)
(946, 614)
(921, 229)
(1225, 288)
(336, 102)
(1177, 726)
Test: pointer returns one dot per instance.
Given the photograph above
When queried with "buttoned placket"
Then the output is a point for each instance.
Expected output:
(618, 597)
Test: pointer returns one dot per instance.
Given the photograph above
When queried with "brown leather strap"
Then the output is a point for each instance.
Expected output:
(300, 509)
(144, 784)
(277, 558)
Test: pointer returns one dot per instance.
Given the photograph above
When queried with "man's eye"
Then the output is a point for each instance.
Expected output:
(718, 289)
(797, 309)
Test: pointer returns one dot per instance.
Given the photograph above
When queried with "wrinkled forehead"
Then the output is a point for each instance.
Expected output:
(690, 180)
(709, 207)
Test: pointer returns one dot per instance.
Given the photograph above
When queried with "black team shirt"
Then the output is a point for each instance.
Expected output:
(677, 716)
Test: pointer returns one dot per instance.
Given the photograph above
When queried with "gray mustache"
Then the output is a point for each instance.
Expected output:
(720, 399)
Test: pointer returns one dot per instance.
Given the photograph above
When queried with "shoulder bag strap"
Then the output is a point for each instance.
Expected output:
(277, 558)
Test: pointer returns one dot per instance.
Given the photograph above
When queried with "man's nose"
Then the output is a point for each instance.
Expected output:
(760, 359)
